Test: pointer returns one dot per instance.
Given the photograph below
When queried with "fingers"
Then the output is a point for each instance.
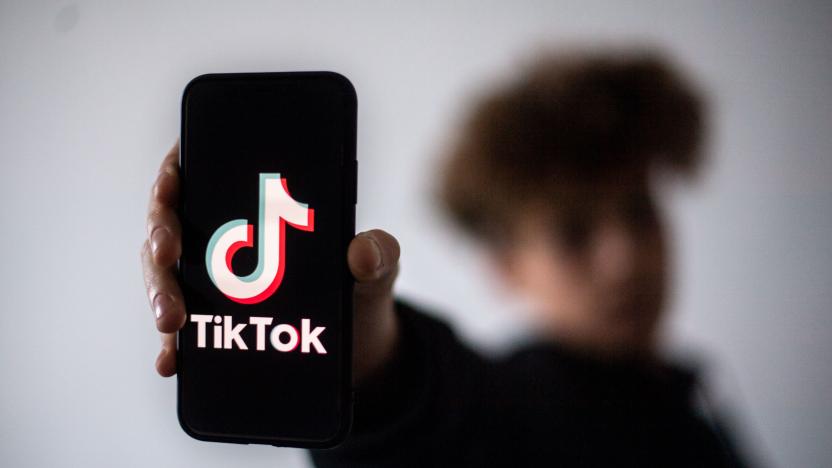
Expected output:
(164, 235)
(163, 293)
(159, 254)
(166, 188)
(166, 361)
(373, 258)
(163, 228)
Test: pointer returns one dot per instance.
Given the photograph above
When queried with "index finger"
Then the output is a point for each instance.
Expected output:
(166, 188)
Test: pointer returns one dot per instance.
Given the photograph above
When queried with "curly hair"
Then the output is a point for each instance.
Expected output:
(567, 122)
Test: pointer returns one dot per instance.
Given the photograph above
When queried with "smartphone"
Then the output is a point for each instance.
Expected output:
(267, 207)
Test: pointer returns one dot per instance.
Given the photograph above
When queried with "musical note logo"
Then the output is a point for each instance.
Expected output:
(277, 209)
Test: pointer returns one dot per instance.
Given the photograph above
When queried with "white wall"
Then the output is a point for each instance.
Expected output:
(89, 103)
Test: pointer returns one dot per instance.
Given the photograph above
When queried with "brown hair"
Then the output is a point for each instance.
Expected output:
(567, 122)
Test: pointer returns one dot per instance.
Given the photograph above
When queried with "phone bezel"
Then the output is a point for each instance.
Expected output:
(349, 173)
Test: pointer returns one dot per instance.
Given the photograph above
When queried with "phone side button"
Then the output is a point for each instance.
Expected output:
(355, 182)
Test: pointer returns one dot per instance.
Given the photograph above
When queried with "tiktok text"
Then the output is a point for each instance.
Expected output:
(283, 337)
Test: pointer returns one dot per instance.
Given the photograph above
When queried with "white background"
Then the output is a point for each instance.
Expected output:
(89, 103)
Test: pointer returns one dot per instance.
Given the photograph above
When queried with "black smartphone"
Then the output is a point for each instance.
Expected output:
(267, 206)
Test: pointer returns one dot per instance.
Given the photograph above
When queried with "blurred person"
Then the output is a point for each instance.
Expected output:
(553, 173)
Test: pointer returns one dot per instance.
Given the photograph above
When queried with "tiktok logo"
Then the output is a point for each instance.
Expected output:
(277, 208)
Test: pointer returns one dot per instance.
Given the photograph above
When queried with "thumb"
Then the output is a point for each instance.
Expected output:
(373, 258)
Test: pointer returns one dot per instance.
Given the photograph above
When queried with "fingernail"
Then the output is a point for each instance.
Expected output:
(162, 304)
(380, 262)
(158, 237)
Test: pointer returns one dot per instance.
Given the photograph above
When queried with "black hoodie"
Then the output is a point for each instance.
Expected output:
(438, 403)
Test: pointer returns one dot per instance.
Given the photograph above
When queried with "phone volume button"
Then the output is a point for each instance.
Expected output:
(355, 182)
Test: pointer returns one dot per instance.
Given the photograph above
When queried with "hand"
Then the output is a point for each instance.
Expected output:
(372, 256)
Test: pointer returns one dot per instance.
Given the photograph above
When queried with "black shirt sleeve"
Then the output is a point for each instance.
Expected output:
(418, 410)
(438, 403)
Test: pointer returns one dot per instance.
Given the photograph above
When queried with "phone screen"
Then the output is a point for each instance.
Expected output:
(267, 209)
